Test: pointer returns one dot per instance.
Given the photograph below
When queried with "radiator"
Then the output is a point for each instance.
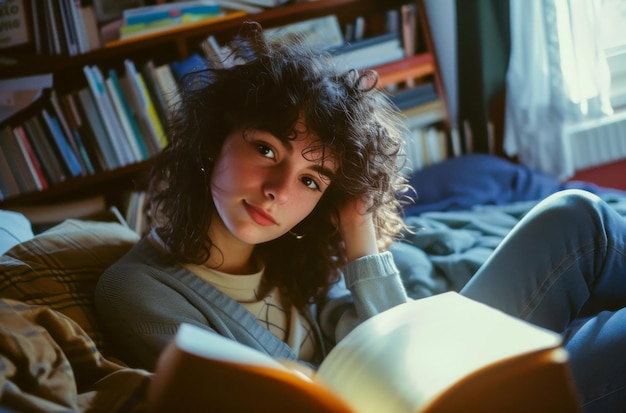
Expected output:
(595, 142)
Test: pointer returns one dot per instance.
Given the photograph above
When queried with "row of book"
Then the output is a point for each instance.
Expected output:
(63, 27)
(114, 121)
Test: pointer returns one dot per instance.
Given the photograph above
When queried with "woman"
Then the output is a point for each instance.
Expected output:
(273, 206)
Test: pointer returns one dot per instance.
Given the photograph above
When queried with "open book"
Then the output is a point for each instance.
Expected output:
(444, 353)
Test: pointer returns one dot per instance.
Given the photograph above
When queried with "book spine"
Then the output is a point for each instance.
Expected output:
(69, 27)
(62, 145)
(8, 184)
(53, 33)
(74, 123)
(31, 160)
(37, 25)
(154, 91)
(17, 163)
(79, 23)
(129, 132)
(108, 116)
(46, 154)
(145, 106)
(74, 145)
(94, 119)
(167, 85)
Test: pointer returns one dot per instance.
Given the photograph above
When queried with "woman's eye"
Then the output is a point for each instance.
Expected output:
(310, 183)
(266, 151)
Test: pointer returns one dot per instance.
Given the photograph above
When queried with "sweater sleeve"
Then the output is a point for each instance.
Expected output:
(371, 285)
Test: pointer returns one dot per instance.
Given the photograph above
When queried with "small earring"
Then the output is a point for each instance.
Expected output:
(296, 236)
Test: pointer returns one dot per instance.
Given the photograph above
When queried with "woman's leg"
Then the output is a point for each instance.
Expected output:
(565, 261)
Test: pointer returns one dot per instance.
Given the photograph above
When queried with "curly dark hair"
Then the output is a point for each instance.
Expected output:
(273, 86)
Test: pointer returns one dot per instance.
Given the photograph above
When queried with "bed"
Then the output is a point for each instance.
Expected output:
(53, 356)
(461, 210)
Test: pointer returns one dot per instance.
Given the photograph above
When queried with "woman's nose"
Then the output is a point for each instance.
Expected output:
(277, 187)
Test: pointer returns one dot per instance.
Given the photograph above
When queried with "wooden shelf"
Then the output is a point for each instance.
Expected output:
(186, 38)
(126, 178)
(410, 68)
(178, 43)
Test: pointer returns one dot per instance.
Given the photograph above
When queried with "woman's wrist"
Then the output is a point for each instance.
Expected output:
(359, 237)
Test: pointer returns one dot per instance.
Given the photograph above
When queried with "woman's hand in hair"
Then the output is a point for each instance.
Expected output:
(357, 229)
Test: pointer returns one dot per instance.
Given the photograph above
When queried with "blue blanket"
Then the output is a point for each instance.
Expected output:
(479, 179)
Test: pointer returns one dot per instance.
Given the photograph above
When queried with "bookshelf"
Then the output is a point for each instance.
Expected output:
(175, 45)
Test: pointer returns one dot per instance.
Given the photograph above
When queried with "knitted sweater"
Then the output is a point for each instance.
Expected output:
(144, 297)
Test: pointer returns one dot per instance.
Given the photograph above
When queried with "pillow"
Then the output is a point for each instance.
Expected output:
(14, 228)
(60, 267)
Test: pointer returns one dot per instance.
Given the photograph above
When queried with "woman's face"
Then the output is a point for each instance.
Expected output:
(263, 187)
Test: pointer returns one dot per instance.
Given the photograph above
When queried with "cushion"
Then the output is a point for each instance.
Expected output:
(14, 228)
(60, 267)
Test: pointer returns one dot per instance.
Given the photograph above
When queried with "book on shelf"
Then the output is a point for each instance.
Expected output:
(140, 98)
(50, 162)
(92, 118)
(264, 3)
(414, 96)
(37, 19)
(54, 29)
(140, 29)
(370, 52)
(190, 64)
(150, 14)
(70, 30)
(215, 53)
(8, 185)
(425, 146)
(125, 116)
(151, 20)
(75, 144)
(435, 145)
(424, 114)
(320, 32)
(442, 353)
(17, 163)
(239, 5)
(148, 70)
(29, 156)
(81, 131)
(76, 14)
(61, 145)
(104, 105)
(167, 85)
(134, 212)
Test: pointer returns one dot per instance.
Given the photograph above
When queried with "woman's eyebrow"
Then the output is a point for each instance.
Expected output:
(322, 170)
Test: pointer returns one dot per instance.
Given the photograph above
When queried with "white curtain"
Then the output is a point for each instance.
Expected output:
(557, 74)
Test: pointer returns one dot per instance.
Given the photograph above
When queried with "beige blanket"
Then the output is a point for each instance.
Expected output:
(49, 364)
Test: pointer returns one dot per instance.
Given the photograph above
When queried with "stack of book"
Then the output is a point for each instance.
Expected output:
(151, 19)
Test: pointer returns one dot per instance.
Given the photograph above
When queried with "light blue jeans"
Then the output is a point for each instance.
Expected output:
(563, 267)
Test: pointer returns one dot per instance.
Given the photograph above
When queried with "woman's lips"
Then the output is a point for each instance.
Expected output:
(259, 216)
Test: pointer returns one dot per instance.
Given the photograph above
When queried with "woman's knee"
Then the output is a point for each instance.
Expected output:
(570, 206)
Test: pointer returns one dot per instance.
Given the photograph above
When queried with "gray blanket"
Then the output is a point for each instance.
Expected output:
(447, 248)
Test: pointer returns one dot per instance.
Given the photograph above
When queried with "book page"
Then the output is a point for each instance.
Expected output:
(205, 344)
(403, 359)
